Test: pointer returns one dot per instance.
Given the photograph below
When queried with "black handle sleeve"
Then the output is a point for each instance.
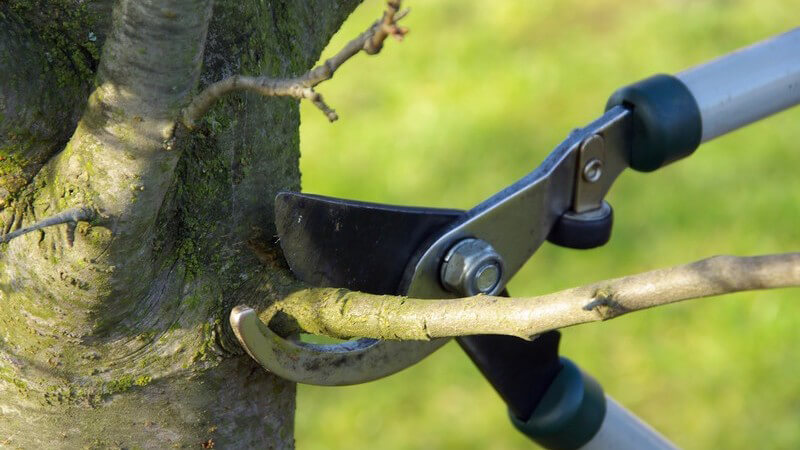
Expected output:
(667, 124)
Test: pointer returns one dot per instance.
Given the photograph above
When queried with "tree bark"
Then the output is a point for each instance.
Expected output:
(120, 338)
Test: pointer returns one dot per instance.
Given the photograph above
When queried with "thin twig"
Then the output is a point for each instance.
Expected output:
(302, 87)
(343, 314)
(71, 217)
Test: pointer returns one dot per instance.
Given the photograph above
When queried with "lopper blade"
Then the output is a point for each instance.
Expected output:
(355, 245)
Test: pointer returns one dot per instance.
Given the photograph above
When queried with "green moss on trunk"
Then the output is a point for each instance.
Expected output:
(122, 339)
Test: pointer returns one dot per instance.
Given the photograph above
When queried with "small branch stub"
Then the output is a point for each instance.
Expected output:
(302, 87)
(71, 217)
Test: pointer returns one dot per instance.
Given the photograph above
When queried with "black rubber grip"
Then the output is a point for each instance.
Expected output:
(667, 125)
(569, 414)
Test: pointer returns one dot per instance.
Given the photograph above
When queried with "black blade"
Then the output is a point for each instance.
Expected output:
(355, 245)
(520, 371)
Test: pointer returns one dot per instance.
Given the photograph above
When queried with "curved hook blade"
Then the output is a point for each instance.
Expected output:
(343, 243)
(343, 364)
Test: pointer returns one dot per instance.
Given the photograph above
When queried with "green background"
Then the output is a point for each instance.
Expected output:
(474, 98)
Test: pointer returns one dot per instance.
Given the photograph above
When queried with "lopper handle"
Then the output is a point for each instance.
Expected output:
(621, 430)
(746, 85)
(574, 413)
(672, 115)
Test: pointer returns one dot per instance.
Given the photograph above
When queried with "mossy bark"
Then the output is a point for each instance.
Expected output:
(120, 338)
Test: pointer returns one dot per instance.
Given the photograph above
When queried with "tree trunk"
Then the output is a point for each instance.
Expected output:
(118, 336)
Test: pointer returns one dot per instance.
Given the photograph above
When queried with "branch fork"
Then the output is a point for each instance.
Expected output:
(386, 26)
(302, 87)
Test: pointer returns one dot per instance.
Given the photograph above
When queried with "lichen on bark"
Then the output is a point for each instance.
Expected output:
(120, 339)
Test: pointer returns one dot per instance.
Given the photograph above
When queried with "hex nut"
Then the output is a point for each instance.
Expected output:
(472, 267)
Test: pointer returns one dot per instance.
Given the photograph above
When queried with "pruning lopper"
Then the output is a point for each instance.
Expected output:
(443, 253)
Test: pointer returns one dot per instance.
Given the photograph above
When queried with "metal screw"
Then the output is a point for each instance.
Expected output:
(472, 267)
(593, 170)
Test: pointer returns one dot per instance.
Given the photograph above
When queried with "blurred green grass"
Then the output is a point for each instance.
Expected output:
(474, 98)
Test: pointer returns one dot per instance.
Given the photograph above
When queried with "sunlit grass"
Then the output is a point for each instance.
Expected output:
(474, 98)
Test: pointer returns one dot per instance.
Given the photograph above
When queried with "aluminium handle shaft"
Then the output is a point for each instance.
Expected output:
(747, 85)
(622, 430)
(672, 115)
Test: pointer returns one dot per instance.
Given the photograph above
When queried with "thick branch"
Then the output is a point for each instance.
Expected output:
(302, 87)
(343, 314)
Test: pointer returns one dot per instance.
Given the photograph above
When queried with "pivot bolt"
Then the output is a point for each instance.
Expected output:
(472, 267)
(593, 170)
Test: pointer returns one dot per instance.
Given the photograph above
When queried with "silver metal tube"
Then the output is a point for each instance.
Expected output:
(621, 430)
(746, 85)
